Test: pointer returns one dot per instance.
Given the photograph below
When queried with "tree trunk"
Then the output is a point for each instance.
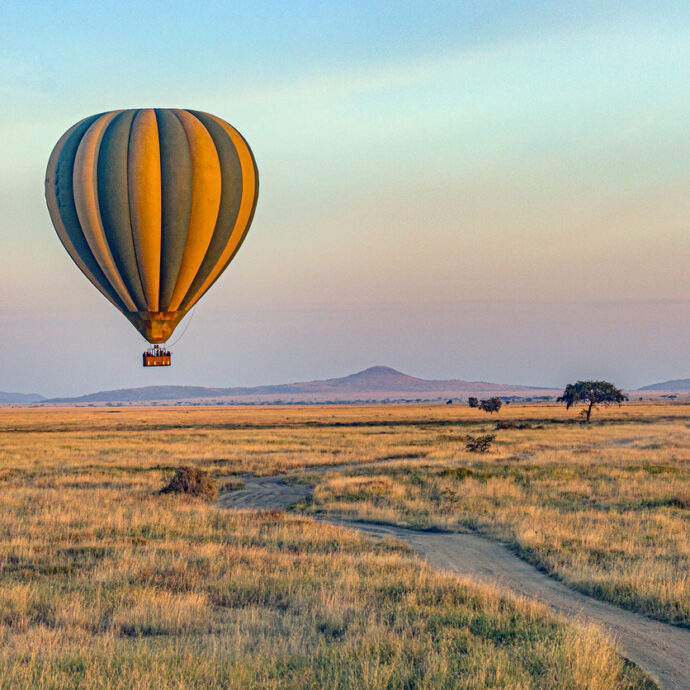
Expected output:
(589, 410)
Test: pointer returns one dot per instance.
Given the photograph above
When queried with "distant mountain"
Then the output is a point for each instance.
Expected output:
(388, 380)
(375, 383)
(673, 385)
(8, 398)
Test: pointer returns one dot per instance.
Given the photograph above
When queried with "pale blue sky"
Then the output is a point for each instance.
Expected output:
(457, 189)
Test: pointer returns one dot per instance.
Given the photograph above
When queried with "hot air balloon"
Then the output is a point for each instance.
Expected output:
(152, 205)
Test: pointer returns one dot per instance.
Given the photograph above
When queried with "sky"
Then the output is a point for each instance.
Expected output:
(484, 190)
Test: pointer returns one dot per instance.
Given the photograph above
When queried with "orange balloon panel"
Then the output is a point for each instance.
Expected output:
(152, 205)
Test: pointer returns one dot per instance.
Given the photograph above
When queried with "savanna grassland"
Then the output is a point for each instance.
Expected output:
(106, 583)
(605, 507)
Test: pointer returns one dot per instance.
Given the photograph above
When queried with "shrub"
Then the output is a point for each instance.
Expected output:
(193, 482)
(479, 444)
(473, 402)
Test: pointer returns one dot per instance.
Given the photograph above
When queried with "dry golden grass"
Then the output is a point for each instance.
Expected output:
(605, 507)
(105, 583)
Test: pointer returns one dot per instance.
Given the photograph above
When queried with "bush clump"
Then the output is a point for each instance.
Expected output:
(479, 444)
(489, 405)
(193, 482)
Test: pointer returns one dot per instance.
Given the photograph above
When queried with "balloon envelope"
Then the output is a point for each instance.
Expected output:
(152, 205)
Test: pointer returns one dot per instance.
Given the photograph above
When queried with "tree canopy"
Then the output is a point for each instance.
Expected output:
(491, 405)
(591, 393)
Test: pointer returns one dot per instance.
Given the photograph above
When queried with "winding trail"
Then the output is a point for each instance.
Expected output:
(662, 650)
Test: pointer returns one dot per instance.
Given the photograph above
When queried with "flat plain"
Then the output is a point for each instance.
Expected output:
(107, 583)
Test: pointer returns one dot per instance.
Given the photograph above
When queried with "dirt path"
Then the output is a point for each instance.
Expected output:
(660, 649)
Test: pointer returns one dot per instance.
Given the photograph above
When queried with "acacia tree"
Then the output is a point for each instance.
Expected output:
(591, 393)
(491, 405)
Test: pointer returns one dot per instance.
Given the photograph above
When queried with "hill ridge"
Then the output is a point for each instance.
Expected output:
(7, 397)
(671, 385)
(378, 379)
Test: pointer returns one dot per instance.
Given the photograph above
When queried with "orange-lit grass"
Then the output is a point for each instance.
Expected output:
(604, 507)
(105, 583)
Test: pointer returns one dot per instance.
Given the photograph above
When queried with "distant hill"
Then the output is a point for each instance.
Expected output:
(375, 383)
(673, 385)
(144, 393)
(8, 398)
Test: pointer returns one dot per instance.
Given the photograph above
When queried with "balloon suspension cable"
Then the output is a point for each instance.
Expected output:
(186, 326)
